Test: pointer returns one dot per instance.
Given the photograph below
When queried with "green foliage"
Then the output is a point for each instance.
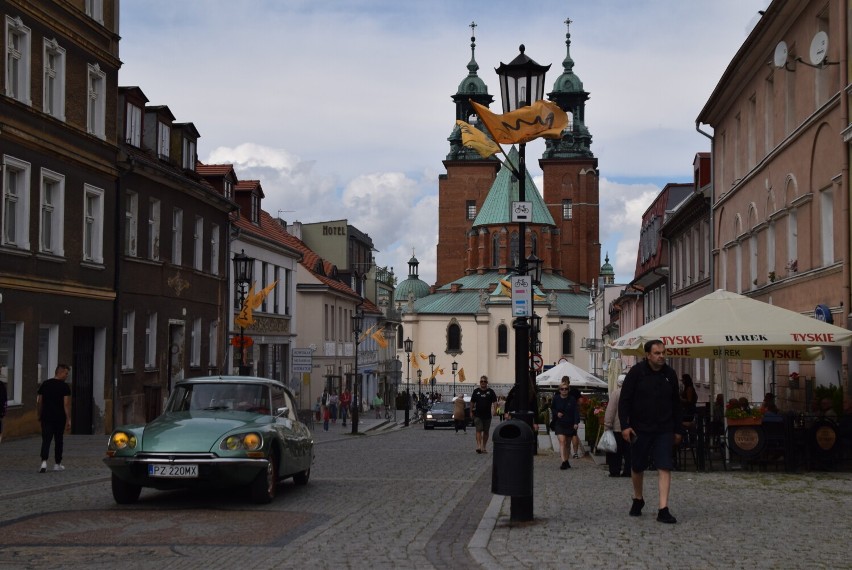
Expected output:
(833, 393)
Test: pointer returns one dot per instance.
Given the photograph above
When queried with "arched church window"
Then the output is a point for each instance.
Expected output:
(495, 250)
(502, 339)
(513, 249)
(454, 338)
(567, 342)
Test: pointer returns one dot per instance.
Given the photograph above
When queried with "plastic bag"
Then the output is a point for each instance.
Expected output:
(607, 442)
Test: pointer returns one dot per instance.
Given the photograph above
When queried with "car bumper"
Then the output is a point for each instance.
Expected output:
(213, 472)
(439, 422)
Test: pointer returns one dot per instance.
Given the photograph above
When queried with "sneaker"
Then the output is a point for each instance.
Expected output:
(576, 456)
(636, 509)
(565, 465)
(59, 467)
(664, 516)
(43, 467)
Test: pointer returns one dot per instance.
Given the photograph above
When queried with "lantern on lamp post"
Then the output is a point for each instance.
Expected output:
(357, 322)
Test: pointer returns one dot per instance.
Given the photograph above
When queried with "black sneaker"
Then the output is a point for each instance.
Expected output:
(664, 516)
(636, 509)
(565, 465)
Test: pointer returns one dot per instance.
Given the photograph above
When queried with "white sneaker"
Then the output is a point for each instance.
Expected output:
(59, 467)
(43, 467)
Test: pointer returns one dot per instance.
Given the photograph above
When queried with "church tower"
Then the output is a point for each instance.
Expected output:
(571, 180)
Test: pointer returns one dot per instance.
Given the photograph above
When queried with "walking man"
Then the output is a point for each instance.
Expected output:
(54, 412)
(650, 414)
(483, 404)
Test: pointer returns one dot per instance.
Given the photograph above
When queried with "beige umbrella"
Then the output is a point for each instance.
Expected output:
(727, 325)
(612, 372)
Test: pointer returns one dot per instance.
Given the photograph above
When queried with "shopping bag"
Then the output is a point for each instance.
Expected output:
(607, 442)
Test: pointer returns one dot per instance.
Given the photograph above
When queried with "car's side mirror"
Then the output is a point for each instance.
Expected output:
(282, 411)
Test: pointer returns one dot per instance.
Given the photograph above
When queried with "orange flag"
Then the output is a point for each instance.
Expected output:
(461, 375)
(541, 119)
(252, 301)
(476, 139)
(413, 359)
(380, 339)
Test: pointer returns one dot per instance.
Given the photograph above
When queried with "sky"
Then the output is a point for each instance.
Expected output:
(342, 108)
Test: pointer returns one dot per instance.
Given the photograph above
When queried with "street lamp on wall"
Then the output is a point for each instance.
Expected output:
(357, 323)
(243, 273)
(455, 369)
(408, 344)
(432, 366)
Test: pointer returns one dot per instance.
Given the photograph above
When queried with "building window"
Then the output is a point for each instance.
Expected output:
(163, 136)
(213, 343)
(151, 341)
(93, 224)
(287, 277)
(97, 101)
(133, 128)
(513, 249)
(567, 342)
(255, 208)
(11, 347)
(276, 292)
(214, 249)
(188, 154)
(18, 60)
(454, 338)
(95, 10)
(16, 203)
(471, 209)
(48, 350)
(198, 244)
(495, 250)
(792, 242)
(127, 340)
(567, 209)
(826, 214)
(52, 213)
(264, 281)
(502, 339)
(131, 222)
(229, 189)
(154, 229)
(195, 343)
(177, 235)
(54, 80)
(769, 115)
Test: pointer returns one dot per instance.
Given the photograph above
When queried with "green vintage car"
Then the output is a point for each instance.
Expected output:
(216, 431)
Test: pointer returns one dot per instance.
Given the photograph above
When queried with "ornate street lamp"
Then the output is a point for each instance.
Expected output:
(455, 369)
(419, 383)
(409, 346)
(521, 83)
(432, 365)
(243, 272)
(357, 322)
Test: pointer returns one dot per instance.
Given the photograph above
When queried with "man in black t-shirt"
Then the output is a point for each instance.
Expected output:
(54, 413)
(483, 402)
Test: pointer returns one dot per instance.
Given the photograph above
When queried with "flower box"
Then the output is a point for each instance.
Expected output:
(745, 421)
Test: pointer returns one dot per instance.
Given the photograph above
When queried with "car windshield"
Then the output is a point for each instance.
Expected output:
(219, 396)
(442, 406)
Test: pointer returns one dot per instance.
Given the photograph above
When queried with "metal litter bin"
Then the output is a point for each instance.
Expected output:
(512, 471)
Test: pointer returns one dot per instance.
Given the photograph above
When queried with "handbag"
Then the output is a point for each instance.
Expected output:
(607, 442)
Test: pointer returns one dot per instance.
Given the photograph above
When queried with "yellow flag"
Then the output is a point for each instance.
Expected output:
(380, 339)
(461, 375)
(366, 334)
(423, 356)
(541, 119)
(439, 370)
(476, 139)
(252, 301)
(413, 359)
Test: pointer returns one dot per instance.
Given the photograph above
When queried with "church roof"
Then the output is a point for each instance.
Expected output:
(497, 208)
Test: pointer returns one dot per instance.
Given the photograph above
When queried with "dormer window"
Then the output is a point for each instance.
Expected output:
(188, 154)
(163, 136)
(133, 126)
(229, 190)
(255, 208)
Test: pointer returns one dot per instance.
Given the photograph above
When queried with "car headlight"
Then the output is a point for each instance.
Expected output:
(251, 441)
(122, 440)
(429, 416)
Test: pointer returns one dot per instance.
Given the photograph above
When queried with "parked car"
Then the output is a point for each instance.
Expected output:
(215, 432)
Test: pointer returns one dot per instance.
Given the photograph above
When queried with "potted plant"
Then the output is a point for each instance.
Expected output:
(736, 415)
(772, 277)
(794, 380)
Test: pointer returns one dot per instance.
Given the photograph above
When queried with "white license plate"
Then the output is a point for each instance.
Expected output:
(177, 471)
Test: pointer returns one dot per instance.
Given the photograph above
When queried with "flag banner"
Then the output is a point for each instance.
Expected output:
(461, 375)
(477, 140)
(439, 370)
(366, 334)
(379, 337)
(413, 359)
(541, 119)
(252, 301)
(423, 356)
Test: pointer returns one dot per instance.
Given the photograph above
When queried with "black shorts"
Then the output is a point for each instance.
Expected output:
(562, 429)
(656, 446)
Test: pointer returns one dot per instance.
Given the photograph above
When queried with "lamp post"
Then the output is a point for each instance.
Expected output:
(521, 83)
(534, 268)
(419, 384)
(432, 366)
(409, 346)
(243, 270)
(455, 369)
(357, 321)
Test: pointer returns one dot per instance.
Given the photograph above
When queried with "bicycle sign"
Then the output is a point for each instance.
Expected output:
(521, 211)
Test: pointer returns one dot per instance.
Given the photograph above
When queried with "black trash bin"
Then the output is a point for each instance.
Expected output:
(512, 472)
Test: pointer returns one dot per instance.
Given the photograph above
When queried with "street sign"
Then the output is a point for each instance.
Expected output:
(521, 296)
(537, 362)
(302, 359)
(521, 211)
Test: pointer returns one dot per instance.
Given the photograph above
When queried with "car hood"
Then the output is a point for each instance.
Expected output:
(195, 431)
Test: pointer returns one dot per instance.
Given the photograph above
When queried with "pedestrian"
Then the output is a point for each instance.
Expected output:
(53, 404)
(326, 417)
(345, 402)
(3, 403)
(483, 404)
(688, 398)
(458, 413)
(619, 461)
(377, 405)
(318, 409)
(333, 401)
(650, 414)
(575, 439)
(566, 419)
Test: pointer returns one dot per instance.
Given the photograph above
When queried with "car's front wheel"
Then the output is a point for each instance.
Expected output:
(123, 492)
(265, 485)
